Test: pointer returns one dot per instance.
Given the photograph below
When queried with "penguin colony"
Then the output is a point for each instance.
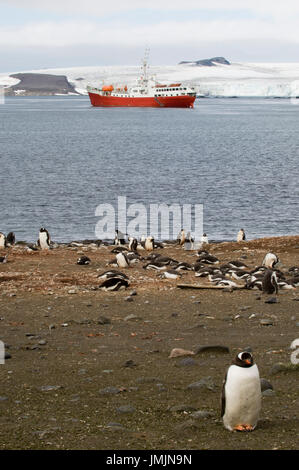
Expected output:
(234, 274)
(241, 391)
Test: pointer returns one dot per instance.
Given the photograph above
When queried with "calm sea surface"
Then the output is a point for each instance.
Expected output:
(61, 158)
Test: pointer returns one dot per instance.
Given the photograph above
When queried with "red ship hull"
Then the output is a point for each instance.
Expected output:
(184, 101)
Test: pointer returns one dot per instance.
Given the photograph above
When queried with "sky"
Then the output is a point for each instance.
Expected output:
(37, 34)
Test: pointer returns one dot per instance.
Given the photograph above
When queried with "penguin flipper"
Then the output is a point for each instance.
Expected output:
(223, 401)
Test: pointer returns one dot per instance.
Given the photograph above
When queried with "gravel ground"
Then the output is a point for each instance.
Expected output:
(88, 369)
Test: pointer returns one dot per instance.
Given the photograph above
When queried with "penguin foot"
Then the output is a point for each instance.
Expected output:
(243, 427)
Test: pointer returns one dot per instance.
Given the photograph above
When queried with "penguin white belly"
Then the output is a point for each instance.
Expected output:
(43, 241)
(121, 261)
(242, 397)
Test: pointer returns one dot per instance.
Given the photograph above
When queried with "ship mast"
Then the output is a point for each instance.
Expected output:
(145, 66)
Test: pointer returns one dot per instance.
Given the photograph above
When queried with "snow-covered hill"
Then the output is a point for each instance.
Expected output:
(236, 79)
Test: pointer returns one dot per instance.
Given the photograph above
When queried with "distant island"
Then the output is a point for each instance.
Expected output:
(213, 62)
(40, 84)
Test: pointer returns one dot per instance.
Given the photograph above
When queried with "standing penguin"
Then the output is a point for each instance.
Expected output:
(269, 282)
(10, 238)
(119, 238)
(44, 239)
(182, 237)
(241, 235)
(241, 394)
(2, 240)
(133, 243)
(204, 238)
(149, 244)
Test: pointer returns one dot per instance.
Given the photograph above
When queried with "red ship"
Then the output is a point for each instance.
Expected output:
(146, 93)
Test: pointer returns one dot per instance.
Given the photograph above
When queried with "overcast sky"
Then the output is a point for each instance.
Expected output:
(63, 33)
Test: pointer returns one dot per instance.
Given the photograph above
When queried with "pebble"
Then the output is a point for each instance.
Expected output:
(205, 383)
(268, 393)
(147, 380)
(177, 352)
(278, 367)
(186, 362)
(49, 388)
(116, 426)
(271, 300)
(266, 385)
(182, 408)
(201, 414)
(132, 316)
(3, 398)
(109, 391)
(72, 291)
(129, 298)
(133, 292)
(104, 321)
(125, 409)
(161, 387)
(266, 322)
(130, 363)
(189, 425)
(42, 342)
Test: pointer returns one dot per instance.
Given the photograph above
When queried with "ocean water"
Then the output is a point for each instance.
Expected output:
(61, 158)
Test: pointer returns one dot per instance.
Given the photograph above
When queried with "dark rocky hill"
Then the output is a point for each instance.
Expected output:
(214, 61)
(40, 84)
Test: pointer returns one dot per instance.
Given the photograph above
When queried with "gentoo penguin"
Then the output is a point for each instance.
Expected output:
(10, 239)
(83, 260)
(133, 243)
(241, 235)
(114, 283)
(182, 237)
(149, 244)
(119, 238)
(241, 394)
(204, 238)
(31, 247)
(155, 265)
(122, 260)
(2, 240)
(170, 274)
(44, 239)
(270, 260)
(237, 264)
(269, 282)
(183, 266)
(208, 259)
(112, 273)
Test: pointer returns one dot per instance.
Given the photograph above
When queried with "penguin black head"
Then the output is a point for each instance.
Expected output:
(243, 359)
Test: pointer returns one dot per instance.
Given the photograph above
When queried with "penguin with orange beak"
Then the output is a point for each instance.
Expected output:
(241, 394)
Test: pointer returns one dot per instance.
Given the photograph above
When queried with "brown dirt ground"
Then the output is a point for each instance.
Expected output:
(83, 356)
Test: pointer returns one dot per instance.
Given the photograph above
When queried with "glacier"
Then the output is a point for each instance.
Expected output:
(279, 80)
